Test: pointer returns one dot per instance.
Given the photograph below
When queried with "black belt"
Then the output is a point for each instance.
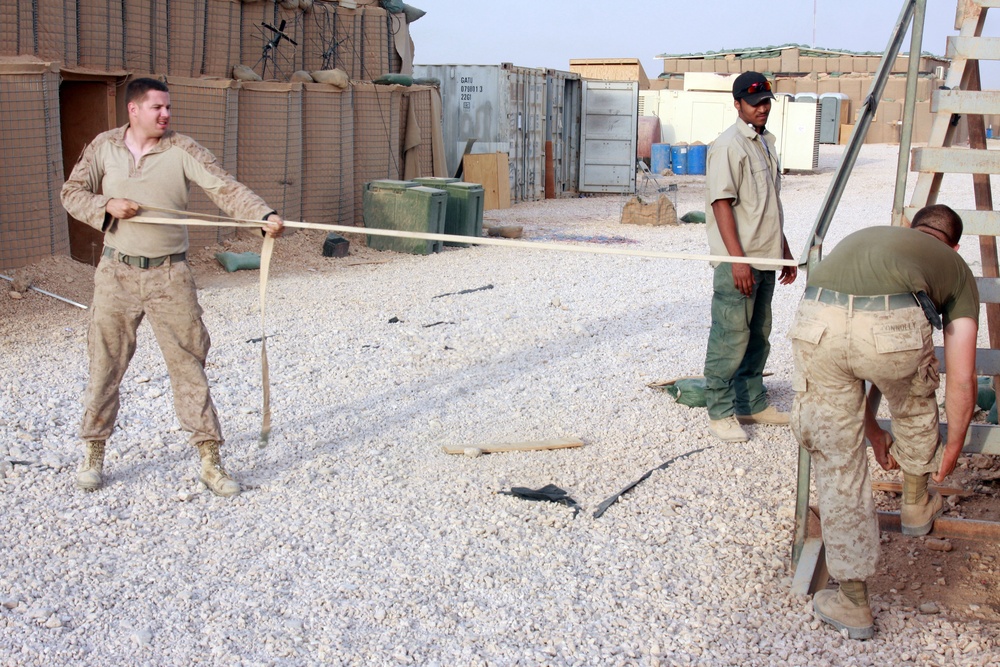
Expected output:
(880, 302)
(144, 262)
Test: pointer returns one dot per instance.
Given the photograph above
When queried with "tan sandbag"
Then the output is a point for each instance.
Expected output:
(289, 4)
(302, 76)
(506, 231)
(305, 5)
(337, 77)
(656, 213)
(244, 73)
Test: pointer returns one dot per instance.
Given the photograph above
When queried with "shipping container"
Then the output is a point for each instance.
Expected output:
(563, 97)
(495, 108)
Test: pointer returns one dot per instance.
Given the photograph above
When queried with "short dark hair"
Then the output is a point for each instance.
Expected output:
(137, 88)
(941, 218)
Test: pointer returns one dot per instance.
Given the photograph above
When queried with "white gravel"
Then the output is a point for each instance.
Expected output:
(358, 542)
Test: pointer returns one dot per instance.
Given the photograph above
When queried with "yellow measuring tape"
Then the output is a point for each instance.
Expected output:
(207, 220)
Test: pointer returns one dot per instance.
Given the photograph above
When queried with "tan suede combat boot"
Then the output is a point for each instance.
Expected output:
(212, 474)
(919, 508)
(88, 477)
(847, 609)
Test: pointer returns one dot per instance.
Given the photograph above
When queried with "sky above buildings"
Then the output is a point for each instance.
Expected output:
(548, 33)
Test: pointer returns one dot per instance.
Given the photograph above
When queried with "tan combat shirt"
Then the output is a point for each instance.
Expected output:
(743, 166)
(162, 178)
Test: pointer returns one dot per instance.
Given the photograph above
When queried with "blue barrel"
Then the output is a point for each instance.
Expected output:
(679, 158)
(696, 158)
(659, 160)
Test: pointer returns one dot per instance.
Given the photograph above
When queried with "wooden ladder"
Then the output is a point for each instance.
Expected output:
(961, 96)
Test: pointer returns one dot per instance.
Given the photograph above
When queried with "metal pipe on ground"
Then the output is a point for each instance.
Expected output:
(54, 296)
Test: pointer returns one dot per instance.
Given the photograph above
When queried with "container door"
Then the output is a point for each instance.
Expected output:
(829, 128)
(526, 132)
(609, 136)
(562, 133)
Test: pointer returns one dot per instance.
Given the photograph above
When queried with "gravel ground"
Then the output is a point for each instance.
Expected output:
(358, 542)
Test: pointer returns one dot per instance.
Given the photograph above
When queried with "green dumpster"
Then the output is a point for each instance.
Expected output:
(404, 206)
(465, 206)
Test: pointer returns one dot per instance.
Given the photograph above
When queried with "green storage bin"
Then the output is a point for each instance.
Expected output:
(465, 206)
(404, 206)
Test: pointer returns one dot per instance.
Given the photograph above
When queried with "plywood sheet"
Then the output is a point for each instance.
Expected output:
(491, 170)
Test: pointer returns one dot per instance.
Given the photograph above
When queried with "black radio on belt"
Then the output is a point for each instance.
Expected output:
(930, 312)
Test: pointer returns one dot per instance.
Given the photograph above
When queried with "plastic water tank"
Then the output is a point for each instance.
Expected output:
(660, 159)
(679, 158)
(697, 154)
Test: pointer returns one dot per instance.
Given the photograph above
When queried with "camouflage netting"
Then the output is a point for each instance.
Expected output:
(379, 112)
(202, 37)
(32, 222)
(208, 111)
(327, 155)
(270, 144)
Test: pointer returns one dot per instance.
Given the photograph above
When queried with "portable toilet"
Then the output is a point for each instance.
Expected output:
(834, 109)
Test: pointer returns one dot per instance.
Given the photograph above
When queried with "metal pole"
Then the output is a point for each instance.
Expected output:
(54, 296)
(906, 131)
(805, 459)
(815, 2)
(867, 113)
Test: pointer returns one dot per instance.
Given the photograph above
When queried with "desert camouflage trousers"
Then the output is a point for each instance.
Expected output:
(836, 351)
(123, 295)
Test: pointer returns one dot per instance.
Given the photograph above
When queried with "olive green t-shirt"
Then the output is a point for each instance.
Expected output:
(895, 260)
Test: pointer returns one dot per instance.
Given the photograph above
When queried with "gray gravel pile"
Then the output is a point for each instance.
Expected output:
(358, 542)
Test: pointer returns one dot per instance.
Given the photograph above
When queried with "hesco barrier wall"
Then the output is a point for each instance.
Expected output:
(201, 37)
(418, 143)
(208, 111)
(327, 155)
(100, 28)
(378, 137)
(269, 136)
(32, 220)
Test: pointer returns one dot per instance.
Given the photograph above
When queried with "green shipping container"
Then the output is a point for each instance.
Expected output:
(465, 207)
(404, 206)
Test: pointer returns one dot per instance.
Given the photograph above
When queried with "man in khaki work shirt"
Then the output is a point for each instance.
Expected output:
(143, 270)
(744, 219)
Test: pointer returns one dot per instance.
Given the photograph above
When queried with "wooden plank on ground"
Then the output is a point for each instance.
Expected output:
(529, 446)
(962, 529)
